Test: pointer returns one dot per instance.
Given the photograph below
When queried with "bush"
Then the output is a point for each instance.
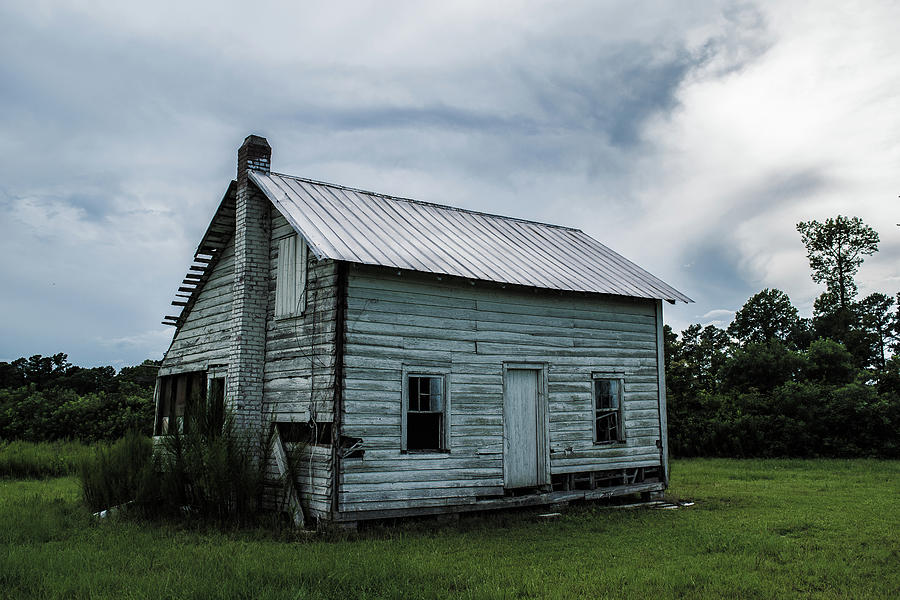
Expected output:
(120, 473)
(213, 469)
(210, 472)
(27, 413)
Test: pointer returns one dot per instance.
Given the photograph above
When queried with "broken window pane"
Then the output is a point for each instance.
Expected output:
(425, 413)
(608, 410)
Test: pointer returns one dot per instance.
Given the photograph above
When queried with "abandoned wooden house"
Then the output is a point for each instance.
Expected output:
(428, 359)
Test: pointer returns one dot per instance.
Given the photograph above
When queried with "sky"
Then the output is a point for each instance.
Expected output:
(690, 137)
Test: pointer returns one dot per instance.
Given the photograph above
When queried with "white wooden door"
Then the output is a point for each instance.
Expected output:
(523, 427)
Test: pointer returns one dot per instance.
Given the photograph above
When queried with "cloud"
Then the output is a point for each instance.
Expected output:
(689, 137)
(720, 317)
(798, 132)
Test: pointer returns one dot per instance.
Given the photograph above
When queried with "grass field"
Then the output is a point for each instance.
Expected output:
(759, 529)
(22, 460)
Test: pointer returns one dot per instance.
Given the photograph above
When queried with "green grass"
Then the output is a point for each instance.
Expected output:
(25, 460)
(760, 529)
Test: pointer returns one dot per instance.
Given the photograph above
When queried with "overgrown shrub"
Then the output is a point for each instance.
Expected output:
(120, 473)
(30, 414)
(212, 468)
(210, 471)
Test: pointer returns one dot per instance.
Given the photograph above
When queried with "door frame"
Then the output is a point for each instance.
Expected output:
(542, 426)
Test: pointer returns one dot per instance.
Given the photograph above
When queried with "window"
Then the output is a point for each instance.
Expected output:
(187, 395)
(424, 422)
(290, 277)
(609, 426)
(176, 394)
(311, 432)
(215, 395)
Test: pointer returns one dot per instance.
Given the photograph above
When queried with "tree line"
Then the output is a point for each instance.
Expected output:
(775, 384)
(44, 398)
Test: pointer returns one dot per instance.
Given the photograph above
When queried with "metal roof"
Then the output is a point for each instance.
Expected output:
(343, 223)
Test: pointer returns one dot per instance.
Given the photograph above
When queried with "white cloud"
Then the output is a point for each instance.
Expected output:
(807, 130)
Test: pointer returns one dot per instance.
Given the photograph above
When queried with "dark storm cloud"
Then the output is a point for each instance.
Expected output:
(715, 267)
(611, 94)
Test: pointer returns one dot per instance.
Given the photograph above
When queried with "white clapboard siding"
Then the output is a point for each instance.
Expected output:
(298, 379)
(205, 336)
(422, 320)
(298, 382)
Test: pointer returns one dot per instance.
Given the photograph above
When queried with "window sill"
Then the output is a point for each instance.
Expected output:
(612, 443)
(414, 452)
(289, 317)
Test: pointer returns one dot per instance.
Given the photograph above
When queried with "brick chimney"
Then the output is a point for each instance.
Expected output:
(250, 290)
(254, 153)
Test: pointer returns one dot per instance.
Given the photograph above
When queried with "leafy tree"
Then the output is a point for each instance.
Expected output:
(803, 334)
(829, 319)
(42, 370)
(87, 380)
(704, 350)
(11, 375)
(47, 398)
(761, 366)
(142, 375)
(679, 374)
(835, 250)
(877, 319)
(829, 362)
(767, 315)
(895, 327)
(888, 379)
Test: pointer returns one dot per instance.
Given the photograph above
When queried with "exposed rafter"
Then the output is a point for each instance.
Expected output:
(220, 230)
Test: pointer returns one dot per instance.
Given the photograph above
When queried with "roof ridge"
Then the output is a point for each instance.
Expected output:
(422, 202)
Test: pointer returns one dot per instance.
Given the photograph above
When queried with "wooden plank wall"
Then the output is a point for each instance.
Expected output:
(299, 370)
(312, 465)
(419, 320)
(205, 336)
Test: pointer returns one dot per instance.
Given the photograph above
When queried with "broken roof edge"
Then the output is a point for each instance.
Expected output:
(206, 248)
(252, 172)
(229, 195)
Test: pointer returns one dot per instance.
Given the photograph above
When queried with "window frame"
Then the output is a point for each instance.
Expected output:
(619, 378)
(425, 371)
(216, 378)
(291, 276)
(174, 392)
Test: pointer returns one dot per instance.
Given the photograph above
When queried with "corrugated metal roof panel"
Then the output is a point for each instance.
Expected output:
(344, 223)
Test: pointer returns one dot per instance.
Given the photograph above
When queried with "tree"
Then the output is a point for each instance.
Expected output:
(762, 366)
(704, 350)
(876, 317)
(895, 328)
(829, 362)
(835, 250)
(767, 315)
